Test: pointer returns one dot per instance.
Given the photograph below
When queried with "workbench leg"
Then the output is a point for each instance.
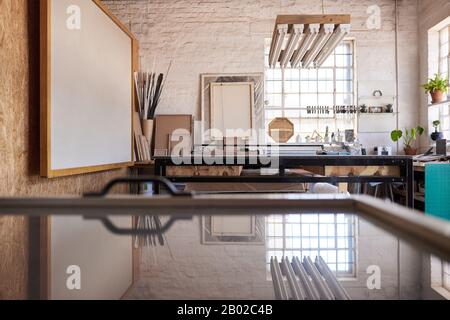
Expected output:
(134, 188)
(409, 184)
(157, 172)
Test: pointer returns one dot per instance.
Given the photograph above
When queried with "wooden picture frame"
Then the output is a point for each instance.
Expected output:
(46, 167)
(208, 79)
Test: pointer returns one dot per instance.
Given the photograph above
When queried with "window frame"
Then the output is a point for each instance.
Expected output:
(446, 56)
(446, 275)
(283, 109)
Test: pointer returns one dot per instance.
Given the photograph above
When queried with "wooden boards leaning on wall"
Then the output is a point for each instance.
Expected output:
(88, 58)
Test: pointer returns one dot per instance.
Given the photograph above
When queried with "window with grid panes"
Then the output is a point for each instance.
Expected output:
(444, 50)
(288, 93)
(332, 236)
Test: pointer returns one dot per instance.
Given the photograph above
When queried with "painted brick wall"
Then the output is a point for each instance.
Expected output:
(228, 36)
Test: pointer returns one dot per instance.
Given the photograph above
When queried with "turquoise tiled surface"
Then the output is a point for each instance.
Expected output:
(437, 190)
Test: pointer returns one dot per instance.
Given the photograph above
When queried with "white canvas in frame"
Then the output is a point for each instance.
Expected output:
(232, 109)
(257, 79)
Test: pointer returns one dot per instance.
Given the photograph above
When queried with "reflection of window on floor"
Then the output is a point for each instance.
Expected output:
(440, 276)
(331, 236)
(446, 275)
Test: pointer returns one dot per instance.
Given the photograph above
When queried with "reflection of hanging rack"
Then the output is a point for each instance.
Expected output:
(306, 280)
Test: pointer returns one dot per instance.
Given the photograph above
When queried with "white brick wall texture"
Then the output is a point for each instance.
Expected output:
(220, 36)
(228, 36)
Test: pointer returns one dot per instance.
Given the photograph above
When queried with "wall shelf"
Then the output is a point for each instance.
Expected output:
(378, 113)
(439, 103)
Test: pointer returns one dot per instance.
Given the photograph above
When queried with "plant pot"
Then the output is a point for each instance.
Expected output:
(409, 151)
(147, 129)
(437, 96)
(435, 136)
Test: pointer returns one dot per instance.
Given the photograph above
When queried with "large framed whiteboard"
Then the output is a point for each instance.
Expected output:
(87, 64)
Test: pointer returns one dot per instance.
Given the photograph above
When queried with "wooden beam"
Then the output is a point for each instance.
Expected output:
(310, 19)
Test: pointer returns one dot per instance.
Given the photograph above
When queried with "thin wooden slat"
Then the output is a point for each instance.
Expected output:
(310, 19)
(338, 171)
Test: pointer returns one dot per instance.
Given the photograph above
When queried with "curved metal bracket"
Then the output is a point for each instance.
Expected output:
(142, 179)
(160, 230)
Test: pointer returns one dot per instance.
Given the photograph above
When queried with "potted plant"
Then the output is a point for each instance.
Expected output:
(408, 138)
(436, 135)
(436, 87)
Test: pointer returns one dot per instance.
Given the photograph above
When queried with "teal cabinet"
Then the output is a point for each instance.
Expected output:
(437, 190)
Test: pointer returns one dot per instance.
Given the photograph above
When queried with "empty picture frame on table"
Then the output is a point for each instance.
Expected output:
(207, 80)
(87, 62)
(231, 109)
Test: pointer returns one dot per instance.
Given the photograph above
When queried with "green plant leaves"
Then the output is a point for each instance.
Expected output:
(420, 130)
(396, 135)
(409, 136)
(436, 84)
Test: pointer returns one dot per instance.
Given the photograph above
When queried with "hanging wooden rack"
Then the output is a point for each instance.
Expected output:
(306, 41)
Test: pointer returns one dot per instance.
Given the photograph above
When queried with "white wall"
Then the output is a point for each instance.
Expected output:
(228, 37)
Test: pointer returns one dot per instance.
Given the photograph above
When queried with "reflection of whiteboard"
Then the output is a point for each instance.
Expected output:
(87, 109)
(105, 259)
(232, 108)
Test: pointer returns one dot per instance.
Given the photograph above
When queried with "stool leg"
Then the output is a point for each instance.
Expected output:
(391, 192)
